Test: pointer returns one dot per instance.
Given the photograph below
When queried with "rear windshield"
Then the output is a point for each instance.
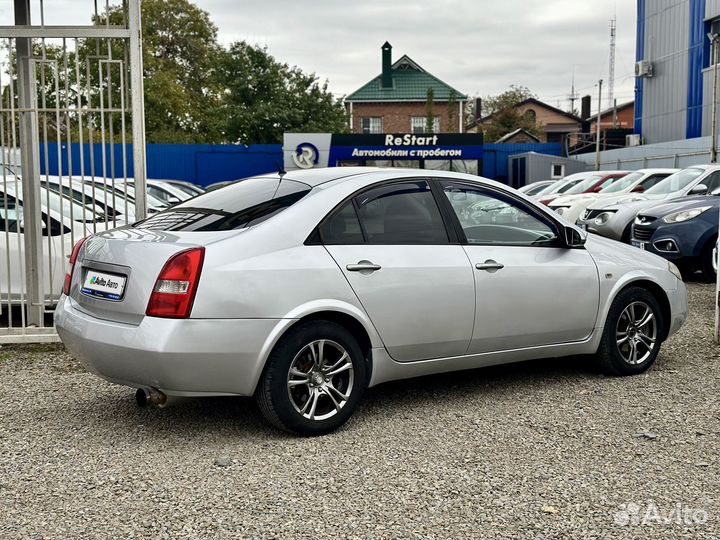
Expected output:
(235, 206)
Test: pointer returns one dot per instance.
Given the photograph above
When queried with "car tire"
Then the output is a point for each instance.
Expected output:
(625, 331)
(305, 367)
(707, 266)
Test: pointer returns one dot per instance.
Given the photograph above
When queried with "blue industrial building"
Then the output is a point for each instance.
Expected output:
(673, 71)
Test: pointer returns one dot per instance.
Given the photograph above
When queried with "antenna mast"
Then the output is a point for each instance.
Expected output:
(611, 74)
(573, 95)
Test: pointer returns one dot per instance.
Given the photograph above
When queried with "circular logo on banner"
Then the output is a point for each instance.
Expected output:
(306, 155)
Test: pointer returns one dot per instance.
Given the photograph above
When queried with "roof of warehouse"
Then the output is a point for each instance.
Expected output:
(410, 83)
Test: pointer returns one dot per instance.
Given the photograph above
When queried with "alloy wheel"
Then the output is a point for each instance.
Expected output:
(320, 379)
(636, 332)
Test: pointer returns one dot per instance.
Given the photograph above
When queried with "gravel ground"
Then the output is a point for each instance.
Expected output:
(544, 449)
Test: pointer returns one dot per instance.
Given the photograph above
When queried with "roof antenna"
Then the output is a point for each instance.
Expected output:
(281, 170)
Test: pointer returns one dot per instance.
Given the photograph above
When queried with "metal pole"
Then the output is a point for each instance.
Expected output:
(713, 159)
(713, 120)
(615, 118)
(137, 102)
(597, 127)
(30, 156)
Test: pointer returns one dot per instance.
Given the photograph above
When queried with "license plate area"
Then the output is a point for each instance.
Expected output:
(105, 285)
(638, 244)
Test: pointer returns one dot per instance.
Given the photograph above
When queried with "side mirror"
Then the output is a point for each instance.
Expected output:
(574, 238)
(700, 189)
(638, 189)
(596, 189)
(172, 199)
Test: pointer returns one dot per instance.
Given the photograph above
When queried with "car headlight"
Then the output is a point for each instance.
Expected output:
(675, 271)
(685, 215)
(603, 218)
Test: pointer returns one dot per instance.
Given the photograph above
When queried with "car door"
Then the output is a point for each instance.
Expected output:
(392, 244)
(530, 289)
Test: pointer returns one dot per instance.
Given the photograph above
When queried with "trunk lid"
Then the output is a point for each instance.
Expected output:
(131, 260)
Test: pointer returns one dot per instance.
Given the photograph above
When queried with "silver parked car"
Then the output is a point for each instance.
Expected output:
(305, 289)
(612, 217)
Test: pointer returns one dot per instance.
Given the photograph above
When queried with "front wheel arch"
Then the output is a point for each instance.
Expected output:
(659, 295)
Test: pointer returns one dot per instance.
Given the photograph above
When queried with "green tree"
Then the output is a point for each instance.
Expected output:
(263, 98)
(180, 56)
(505, 116)
(452, 112)
(430, 111)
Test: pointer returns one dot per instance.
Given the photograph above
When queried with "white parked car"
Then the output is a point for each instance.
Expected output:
(304, 289)
(561, 186)
(572, 206)
(63, 222)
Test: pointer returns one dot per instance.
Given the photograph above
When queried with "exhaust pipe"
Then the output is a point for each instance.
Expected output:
(150, 397)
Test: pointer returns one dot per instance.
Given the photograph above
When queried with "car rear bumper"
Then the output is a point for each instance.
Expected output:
(182, 357)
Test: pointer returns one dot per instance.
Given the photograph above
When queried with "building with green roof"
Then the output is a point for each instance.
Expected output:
(395, 101)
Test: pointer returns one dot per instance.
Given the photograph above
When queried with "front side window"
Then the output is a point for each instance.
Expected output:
(489, 218)
(373, 124)
(235, 206)
(418, 124)
(675, 182)
(404, 213)
(650, 181)
(712, 182)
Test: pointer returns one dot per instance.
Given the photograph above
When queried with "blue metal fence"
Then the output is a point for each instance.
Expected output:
(199, 163)
(204, 164)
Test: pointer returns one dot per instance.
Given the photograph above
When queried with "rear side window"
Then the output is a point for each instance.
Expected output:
(342, 227)
(403, 213)
(235, 206)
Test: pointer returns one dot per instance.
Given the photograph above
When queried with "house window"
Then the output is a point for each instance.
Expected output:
(558, 170)
(530, 115)
(418, 123)
(372, 124)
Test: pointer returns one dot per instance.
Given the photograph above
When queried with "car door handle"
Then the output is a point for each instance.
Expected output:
(490, 266)
(363, 266)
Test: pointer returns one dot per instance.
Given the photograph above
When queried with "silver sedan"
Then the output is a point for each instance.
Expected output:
(305, 289)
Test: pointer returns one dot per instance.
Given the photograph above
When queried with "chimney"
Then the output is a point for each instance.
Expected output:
(478, 108)
(386, 80)
(585, 113)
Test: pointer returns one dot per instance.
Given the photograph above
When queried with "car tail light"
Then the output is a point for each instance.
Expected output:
(71, 265)
(175, 288)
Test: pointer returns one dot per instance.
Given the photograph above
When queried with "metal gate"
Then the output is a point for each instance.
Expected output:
(61, 85)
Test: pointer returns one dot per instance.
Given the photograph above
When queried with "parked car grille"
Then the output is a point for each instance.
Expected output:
(642, 233)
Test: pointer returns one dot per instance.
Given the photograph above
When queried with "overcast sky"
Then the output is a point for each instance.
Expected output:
(478, 46)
